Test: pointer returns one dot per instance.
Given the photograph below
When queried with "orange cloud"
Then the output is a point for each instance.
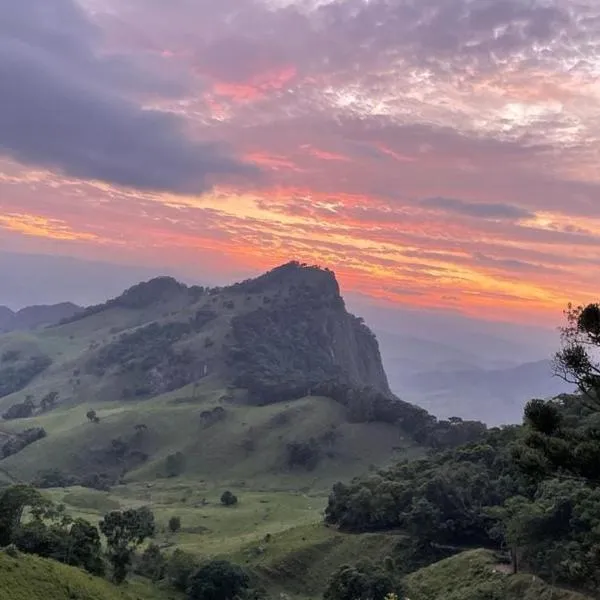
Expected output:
(38, 226)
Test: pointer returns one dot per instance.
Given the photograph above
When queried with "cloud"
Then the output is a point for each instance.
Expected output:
(478, 210)
(69, 108)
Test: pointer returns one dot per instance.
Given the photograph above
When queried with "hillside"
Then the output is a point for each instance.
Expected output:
(32, 317)
(26, 577)
(476, 575)
(277, 336)
(270, 379)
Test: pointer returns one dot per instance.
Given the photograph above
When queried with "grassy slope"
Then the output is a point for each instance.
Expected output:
(474, 575)
(217, 452)
(31, 578)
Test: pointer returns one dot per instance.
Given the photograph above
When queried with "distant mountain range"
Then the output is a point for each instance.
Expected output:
(491, 386)
(32, 317)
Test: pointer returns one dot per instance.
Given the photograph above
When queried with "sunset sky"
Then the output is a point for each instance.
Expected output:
(435, 153)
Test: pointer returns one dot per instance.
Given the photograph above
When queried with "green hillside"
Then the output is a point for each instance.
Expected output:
(242, 443)
(477, 575)
(27, 577)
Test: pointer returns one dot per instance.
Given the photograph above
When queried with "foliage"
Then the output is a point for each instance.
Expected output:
(534, 490)
(73, 543)
(578, 361)
(175, 464)
(16, 375)
(92, 417)
(228, 498)
(14, 501)
(124, 532)
(138, 297)
(152, 564)
(179, 569)
(29, 577)
(22, 440)
(48, 402)
(364, 581)
(439, 498)
(22, 410)
(49, 532)
(217, 580)
(174, 524)
(303, 454)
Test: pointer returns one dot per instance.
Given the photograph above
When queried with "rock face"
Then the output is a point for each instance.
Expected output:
(32, 317)
(302, 337)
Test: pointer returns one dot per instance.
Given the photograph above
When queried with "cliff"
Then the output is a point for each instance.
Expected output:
(302, 337)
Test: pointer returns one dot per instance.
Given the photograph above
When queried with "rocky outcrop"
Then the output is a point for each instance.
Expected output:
(303, 336)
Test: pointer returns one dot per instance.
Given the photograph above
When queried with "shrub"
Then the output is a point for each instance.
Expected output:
(22, 440)
(179, 569)
(228, 499)
(364, 581)
(175, 464)
(217, 580)
(174, 524)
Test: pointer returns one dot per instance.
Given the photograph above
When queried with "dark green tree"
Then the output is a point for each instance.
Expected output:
(92, 417)
(364, 581)
(152, 563)
(179, 569)
(174, 524)
(228, 499)
(577, 361)
(13, 503)
(217, 580)
(124, 532)
(175, 464)
(48, 402)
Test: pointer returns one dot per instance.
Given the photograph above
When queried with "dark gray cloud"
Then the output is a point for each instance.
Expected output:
(479, 210)
(66, 107)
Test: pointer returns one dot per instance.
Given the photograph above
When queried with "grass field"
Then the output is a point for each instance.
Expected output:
(246, 448)
(28, 577)
(476, 575)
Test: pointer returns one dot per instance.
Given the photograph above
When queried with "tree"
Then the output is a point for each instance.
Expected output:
(92, 416)
(180, 567)
(175, 464)
(364, 581)
(77, 543)
(48, 402)
(152, 563)
(13, 503)
(124, 532)
(228, 499)
(578, 360)
(217, 580)
(174, 524)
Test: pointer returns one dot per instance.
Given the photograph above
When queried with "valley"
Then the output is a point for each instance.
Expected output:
(172, 397)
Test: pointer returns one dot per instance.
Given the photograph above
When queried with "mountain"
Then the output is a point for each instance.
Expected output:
(457, 381)
(32, 317)
(268, 376)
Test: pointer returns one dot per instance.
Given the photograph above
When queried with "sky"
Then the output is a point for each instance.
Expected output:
(439, 155)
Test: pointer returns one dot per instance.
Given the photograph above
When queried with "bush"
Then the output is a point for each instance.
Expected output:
(228, 499)
(217, 580)
(15, 376)
(22, 410)
(174, 524)
(22, 440)
(152, 564)
(303, 454)
(175, 464)
(364, 581)
(179, 569)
